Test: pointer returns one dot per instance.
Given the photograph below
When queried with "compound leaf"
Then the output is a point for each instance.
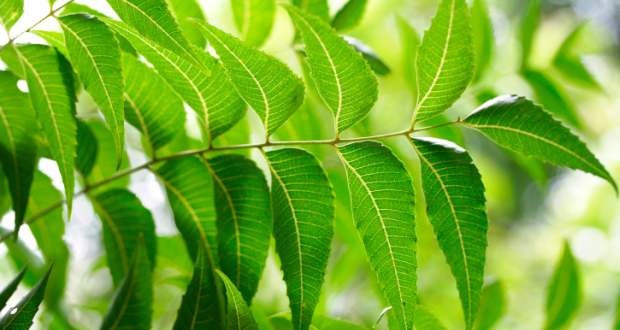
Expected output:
(445, 61)
(252, 73)
(564, 292)
(238, 314)
(126, 223)
(254, 20)
(18, 148)
(518, 124)
(131, 308)
(244, 220)
(303, 211)
(382, 200)
(455, 205)
(342, 77)
(21, 316)
(51, 92)
(350, 15)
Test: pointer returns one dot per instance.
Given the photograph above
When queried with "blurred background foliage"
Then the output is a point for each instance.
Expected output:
(564, 54)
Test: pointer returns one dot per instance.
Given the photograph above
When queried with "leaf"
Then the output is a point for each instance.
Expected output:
(518, 124)
(18, 148)
(10, 12)
(53, 98)
(131, 307)
(376, 64)
(48, 233)
(342, 77)
(54, 39)
(153, 20)
(382, 200)
(254, 20)
(150, 104)
(482, 30)
(424, 320)
(445, 61)
(326, 323)
(185, 11)
(77, 8)
(244, 221)
(616, 325)
(95, 54)
(10, 288)
(251, 72)
(527, 31)
(198, 309)
(350, 15)
(569, 63)
(455, 205)
(410, 42)
(492, 306)
(21, 316)
(564, 292)
(87, 149)
(318, 8)
(105, 163)
(125, 224)
(552, 97)
(238, 313)
(303, 210)
(213, 97)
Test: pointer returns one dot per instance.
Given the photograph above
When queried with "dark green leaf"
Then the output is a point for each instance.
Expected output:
(244, 220)
(445, 61)
(455, 205)
(518, 124)
(350, 15)
(10, 12)
(564, 292)
(8, 290)
(342, 78)
(52, 96)
(303, 210)
(382, 200)
(95, 55)
(492, 306)
(254, 20)
(87, 149)
(482, 28)
(238, 314)
(18, 148)
(125, 223)
(131, 308)
(21, 316)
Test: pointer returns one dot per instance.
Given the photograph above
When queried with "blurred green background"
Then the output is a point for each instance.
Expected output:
(532, 208)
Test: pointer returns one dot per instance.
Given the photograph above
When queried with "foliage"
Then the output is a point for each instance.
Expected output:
(228, 202)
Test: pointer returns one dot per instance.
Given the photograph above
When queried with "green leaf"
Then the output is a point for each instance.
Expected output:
(52, 96)
(77, 8)
(87, 149)
(455, 205)
(244, 221)
(125, 223)
(238, 314)
(95, 54)
(424, 320)
(303, 210)
(48, 232)
(153, 20)
(9, 56)
(382, 200)
(21, 316)
(350, 15)
(251, 72)
(564, 292)
(10, 12)
(150, 104)
(131, 308)
(326, 323)
(569, 63)
(445, 61)
(10, 288)
(185, 11)
(376, 64)
(54, 39)
(518, 124)
(212, 97)
(342, 77)
(18, 148)
(105, 158)
(198, 309)
(492, 306)
(410, 42)
(254, 20)
(552, 97)
(527, 32)
(616, 325)
(482, 29)
(318, 8)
